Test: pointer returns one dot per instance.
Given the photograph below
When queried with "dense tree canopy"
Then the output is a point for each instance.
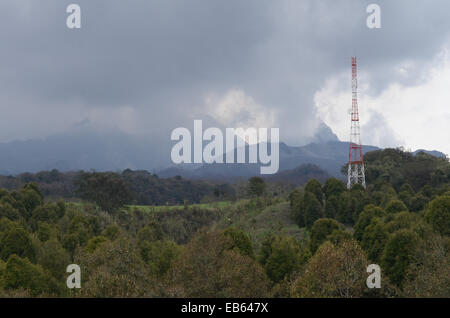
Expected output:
(315, 240)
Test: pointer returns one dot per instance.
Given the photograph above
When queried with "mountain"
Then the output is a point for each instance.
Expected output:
(85, 148)
(300, 175)
(329, 156)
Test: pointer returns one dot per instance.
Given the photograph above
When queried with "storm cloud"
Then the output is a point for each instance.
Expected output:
(147, 67)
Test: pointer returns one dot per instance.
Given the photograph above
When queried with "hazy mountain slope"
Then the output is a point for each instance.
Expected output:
(86, 148)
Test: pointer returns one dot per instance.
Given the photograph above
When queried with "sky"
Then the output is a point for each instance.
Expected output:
(148, 67)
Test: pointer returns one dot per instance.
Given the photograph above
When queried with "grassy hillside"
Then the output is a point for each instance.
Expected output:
(260, 223)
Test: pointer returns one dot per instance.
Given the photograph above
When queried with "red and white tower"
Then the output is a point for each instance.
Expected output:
(355, 158)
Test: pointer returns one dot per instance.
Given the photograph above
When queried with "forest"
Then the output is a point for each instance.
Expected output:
(255, 238)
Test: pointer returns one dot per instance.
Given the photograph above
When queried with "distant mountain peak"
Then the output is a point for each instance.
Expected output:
(324, 134)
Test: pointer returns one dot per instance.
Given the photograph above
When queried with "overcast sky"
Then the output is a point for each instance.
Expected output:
(147, 67)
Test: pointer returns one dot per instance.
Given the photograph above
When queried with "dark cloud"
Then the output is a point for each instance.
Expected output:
(157, 60)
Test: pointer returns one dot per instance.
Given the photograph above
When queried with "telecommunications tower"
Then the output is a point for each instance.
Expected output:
(355, 158)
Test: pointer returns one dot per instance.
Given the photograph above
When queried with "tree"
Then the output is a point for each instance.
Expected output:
(207, 268)
(285, 258)
(46, 231)
(396, 206)
(406, 194)
(315, 188)
(21, 273)
(402, 220)
(80, 227)
(338, 236)
(44, 213)
(240, 242)
(33, 187)
(438, 214)
(95, 243)
(256, 186)
(70, 243)
(333, 187)
(351, 204)
(54, 258)
(312, 209)
(31, 200)
(107, 190)
(296, 204)
(398, 254)
(8, 211)
(115, 270)
(151, 232)
(160, 255)
(112, 232)
(332, 207)
(418, 202)
(370, 211)
(321, 229)
(333, 272)
(17, 241)
(374, 239)
(430, 269)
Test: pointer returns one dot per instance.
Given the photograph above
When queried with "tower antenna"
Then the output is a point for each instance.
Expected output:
(355, 158)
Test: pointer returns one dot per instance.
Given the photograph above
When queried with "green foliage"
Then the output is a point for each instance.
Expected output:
(54, 258)
(284, 257)
(333, 272)
(256, 187)
(31, 200)
(418, 203)
(240, 242)
(107, 190)
(396, 206)
(397, 255)
(337, 237)
(95, 243)
(21, 273)
(398, 168)
(70, 243)
(438, 214)
(312, 209)
(333, 187)
(321, 229)
(160, 252)
(47, 213)
(112, 232)
(8, 211)
(374, 239)
(149, 233)
(429, 272)
(296, 204)
(332, 207)
(81, 229)
(401, 220)
(46, 231)
(206, 268)
(348, 206)
(315, 188)
(16, 241)
(370, 211)
(181, 225)
(160, 255)
(115, 270)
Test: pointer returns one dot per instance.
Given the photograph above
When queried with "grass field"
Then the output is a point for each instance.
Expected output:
(161, 208)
